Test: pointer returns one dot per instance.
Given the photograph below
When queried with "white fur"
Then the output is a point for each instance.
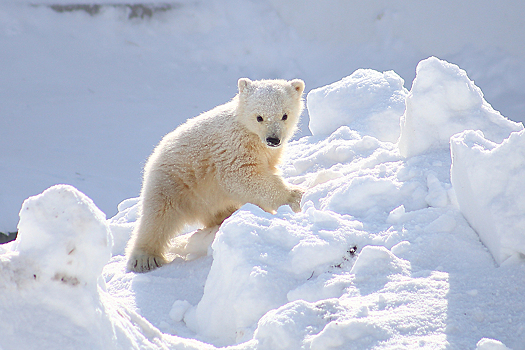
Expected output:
(211, 165)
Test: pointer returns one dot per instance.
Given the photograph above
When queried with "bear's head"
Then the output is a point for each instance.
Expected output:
(270, 108)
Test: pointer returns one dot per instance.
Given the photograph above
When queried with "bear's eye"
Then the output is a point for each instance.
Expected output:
(285, 117)
(260, 119)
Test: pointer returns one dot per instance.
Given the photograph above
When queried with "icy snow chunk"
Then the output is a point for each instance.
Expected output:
(489, 181)
(401, 248)
(338, 333)
(490, 344)
(367, 101)
(178, 310)
(373, 260)
(442, 102)
(288, 326)
(66, 233)
(396, 215)
(437, 195)
(444, 223)
(57, 291)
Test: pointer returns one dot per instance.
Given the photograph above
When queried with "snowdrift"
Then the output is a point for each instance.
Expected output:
(388, 252)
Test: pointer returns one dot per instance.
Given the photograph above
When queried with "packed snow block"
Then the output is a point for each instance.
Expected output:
(368, 101)
(489, 182)
(66, 234)
(443, 101)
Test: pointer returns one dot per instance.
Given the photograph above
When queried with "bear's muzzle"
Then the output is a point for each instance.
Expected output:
(273, 141)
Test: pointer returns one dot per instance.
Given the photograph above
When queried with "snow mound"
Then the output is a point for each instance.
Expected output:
(52, 294)
(69, 236)
(488, 179)
(258, 259)
(442, 102)
(367, 101)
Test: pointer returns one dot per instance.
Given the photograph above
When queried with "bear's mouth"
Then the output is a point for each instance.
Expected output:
(273, 141)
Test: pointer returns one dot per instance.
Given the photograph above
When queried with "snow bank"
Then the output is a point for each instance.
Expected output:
(52, 294)
(442, 102)
(488, 179)
(367, 101)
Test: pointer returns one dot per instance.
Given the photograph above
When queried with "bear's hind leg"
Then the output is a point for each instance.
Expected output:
(150, 240)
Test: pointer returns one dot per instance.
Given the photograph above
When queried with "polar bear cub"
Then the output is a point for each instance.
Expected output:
(210, 166)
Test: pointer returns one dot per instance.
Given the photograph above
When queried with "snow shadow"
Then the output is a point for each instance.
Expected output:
(183, 279)
(484, 302)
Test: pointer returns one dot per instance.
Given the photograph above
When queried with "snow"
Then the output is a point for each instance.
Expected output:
(407, 243)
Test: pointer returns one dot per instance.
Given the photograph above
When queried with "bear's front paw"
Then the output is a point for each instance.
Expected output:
(144, 263)
(296, 195)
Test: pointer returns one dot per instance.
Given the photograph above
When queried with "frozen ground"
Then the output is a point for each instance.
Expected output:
(398, 245)
(87, 94)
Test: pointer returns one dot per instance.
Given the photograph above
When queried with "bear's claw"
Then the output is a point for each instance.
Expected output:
(144, 263)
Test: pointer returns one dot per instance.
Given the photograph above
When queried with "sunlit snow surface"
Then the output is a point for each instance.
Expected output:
(383, 254)
(88, 88)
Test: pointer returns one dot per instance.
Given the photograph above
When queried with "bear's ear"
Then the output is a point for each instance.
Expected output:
(298, 85)
(243, 84)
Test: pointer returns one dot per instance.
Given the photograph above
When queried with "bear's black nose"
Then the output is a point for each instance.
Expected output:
(273, 141)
